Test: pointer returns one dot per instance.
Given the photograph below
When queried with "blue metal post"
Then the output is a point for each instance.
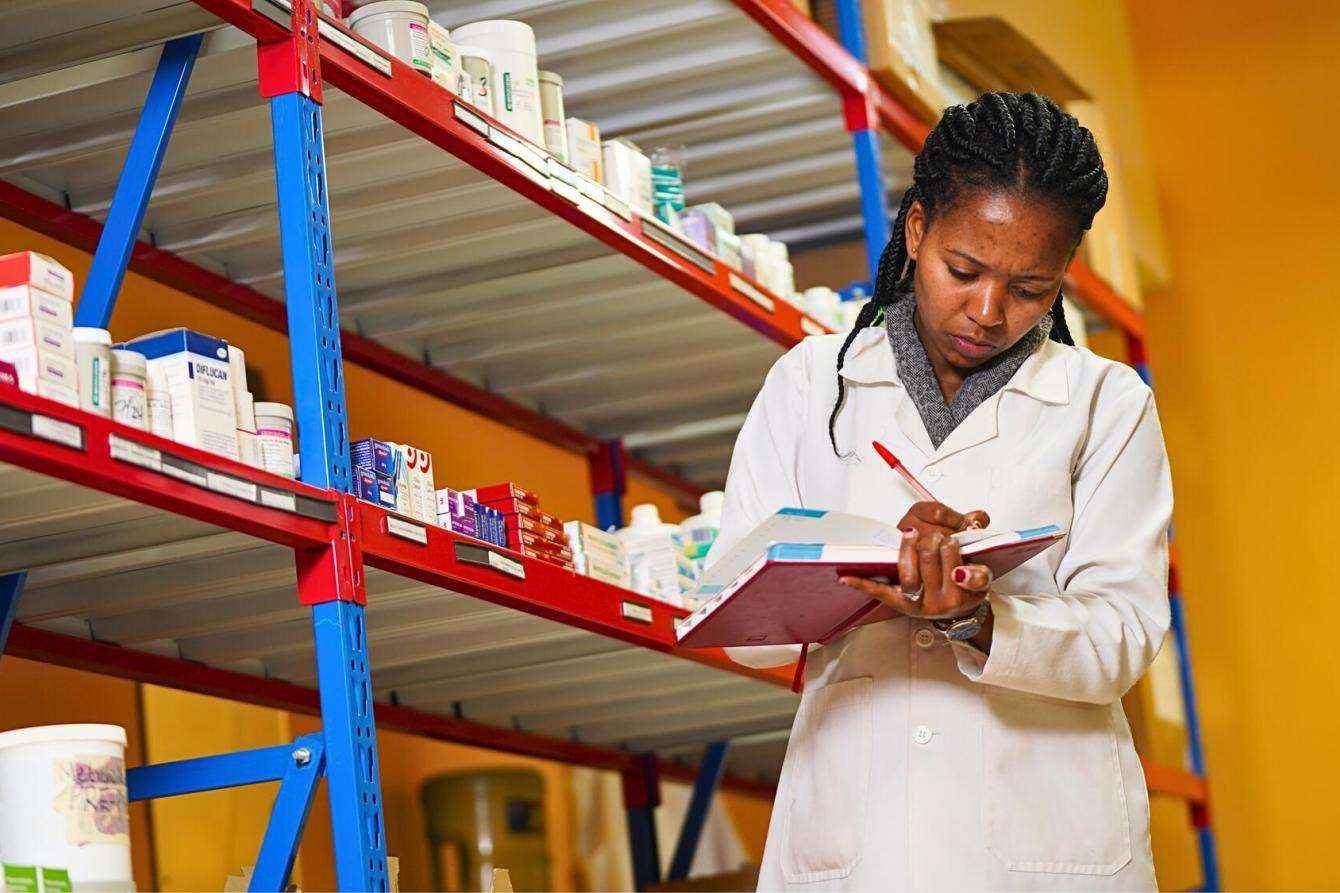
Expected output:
(608, 482)
(641, 796)
(865, 141)
(288, 817)
(1209, 858)
(11, 590)
(704, 789)
(318, 385)
(138, 174)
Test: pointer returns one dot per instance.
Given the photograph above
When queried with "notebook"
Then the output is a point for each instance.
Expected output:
(787, 592)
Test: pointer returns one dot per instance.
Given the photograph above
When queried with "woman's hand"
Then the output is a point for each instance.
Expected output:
(933, 581)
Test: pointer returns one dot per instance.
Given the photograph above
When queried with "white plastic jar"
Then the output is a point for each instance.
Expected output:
(274, 438)
(400, 27)
(130, 386)
(477, 69)
(63, 803)
(516, 87)
(93, 355)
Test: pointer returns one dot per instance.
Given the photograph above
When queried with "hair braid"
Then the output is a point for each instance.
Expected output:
(1020, 142)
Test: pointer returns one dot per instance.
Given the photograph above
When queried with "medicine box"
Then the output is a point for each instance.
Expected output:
(39, 271)
(8, 374)
(584, 148)
(24, 300)
(374, 488)
(204, 413)
(58, 392)
(500, 493)
(374, 455)
(31, 332)
(34, 364)
(628, 174)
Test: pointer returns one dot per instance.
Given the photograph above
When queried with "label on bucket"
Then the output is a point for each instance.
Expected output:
(91, 794)
(34, 879)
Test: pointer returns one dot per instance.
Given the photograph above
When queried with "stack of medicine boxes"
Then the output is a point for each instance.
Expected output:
(459, 512)
(598, 554)
(394, 476)
(530, 531)
(36, 314)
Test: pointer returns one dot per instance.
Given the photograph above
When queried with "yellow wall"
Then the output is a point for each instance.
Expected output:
(1239, 104)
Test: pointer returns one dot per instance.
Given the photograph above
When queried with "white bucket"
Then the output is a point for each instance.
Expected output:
(400, 27)
(516, 88)
(63, 803)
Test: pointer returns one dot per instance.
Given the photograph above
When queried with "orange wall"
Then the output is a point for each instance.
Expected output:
(1239, 104)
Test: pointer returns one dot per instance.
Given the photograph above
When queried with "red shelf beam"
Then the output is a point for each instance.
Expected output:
(548, 591)
(93, 466)
(139, 666)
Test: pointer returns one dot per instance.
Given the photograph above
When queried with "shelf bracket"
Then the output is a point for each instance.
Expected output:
(705, 787)
(297, 767)
(136, 184)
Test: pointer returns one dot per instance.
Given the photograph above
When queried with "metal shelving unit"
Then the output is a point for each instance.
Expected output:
(444, 228)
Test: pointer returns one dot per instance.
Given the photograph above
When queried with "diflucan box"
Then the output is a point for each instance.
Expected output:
(204, 413)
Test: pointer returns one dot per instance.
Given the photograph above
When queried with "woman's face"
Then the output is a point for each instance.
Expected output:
(988, 270)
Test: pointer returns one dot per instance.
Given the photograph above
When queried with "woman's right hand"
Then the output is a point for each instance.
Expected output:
(927, 518)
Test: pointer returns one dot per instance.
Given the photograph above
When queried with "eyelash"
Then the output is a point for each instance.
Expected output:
(964, 276)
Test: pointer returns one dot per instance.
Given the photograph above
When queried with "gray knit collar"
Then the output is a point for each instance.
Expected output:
(917, 375)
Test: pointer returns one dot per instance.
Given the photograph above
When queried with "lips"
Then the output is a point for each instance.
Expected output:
(970, 348)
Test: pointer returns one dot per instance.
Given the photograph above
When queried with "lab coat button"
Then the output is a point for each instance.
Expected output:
(933, 474)
(925, 638)
(922, 735)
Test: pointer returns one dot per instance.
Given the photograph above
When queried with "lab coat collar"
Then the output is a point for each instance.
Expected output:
(870, 360)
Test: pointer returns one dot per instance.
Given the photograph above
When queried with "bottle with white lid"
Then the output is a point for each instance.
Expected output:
(93, 356)
(516, 88)
(274, 437)
(700, 530)
(551, 107)
(398, 26)
(130, 382)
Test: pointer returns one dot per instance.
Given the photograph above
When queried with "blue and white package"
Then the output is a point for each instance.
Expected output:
(374, 455)
(204, 411)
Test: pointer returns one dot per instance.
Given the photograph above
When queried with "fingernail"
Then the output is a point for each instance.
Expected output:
(960, 575)
(976, 525)
(909, 533)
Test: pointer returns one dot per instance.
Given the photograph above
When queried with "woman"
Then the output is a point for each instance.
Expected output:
(978, 740)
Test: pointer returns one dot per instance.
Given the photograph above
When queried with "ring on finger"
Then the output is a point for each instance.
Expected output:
(914, 595)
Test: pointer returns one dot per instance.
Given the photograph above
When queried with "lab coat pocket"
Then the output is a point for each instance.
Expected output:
(1054, 799)
(829, 753)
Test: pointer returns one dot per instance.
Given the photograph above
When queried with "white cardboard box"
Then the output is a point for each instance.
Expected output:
(58, 392)
(24, 300)
(34, 364)
(37, 270)
(628, 174)
(29, 331)
(204, 410)
(584, 148)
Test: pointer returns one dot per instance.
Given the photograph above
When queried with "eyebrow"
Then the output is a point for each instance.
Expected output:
(972, 260)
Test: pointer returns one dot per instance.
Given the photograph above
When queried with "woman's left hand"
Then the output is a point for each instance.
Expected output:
(931, 569)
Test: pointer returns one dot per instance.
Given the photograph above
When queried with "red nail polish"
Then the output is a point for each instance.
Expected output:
(960, 575)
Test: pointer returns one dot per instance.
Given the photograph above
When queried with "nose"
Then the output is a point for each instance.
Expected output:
(986, 306)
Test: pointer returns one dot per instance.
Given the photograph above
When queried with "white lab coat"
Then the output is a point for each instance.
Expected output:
(917, 764)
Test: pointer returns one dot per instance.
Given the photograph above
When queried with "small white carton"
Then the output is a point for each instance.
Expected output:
(23, 300)
(204, 411)
(35, 364)
(58, 392)
(628, 174)
(37, 270)
(584, 148)
(28, 331)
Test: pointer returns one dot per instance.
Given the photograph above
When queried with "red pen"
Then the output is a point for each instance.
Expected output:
(894, 463)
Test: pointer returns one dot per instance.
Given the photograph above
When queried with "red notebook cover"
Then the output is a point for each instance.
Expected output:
(798, 601)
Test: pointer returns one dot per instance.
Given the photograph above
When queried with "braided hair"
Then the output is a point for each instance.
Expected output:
(1020, 142)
